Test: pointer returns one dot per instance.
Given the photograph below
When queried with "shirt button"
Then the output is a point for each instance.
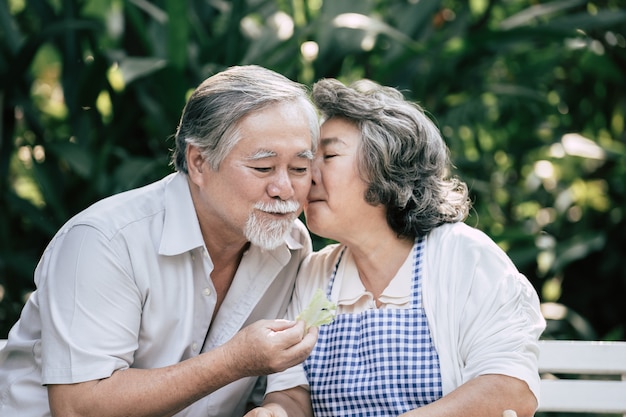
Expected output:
(206, 291)
(194, 346)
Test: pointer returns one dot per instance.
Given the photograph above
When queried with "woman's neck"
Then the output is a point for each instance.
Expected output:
(378, 259)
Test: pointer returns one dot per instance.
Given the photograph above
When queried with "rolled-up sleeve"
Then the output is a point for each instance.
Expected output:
(314, 273)
(91, 311)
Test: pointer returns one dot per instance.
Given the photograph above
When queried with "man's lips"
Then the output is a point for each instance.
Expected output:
(281, 215)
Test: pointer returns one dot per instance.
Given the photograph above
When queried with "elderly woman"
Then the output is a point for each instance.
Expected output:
(433, 319)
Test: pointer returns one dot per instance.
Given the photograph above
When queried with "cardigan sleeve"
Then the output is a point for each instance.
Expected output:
(314, 273)
(484, 315)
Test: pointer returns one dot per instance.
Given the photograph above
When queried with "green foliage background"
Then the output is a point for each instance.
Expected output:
(530, 96)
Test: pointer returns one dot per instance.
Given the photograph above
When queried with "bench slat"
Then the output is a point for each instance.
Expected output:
(582, 357)
(583, 396)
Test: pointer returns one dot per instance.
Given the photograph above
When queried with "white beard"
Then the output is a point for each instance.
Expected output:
(269, 234)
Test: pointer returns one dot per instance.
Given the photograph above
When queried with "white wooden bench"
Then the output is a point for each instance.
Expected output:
(599, 369)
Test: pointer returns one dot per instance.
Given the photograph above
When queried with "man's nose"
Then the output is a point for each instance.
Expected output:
(281, 185)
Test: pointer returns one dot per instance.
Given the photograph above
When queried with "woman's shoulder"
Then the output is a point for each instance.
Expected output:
(315, 272)
(322, 258)
(461, 256)
(460, 237)
(450, 232)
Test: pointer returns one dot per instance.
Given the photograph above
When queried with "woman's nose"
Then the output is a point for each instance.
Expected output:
(315, 171)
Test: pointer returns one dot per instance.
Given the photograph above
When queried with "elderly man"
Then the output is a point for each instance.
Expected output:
(165, 300)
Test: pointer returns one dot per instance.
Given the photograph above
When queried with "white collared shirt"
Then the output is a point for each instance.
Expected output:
(352, 297)
(126, 283)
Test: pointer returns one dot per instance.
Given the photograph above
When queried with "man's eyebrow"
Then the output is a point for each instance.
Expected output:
(265, 153)
(308, 154)
(262, 154)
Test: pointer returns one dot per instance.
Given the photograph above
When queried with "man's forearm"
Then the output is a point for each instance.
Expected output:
(145, 392)
(264, 347)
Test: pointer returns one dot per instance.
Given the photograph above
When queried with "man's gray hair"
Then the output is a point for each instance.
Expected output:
(212, 114)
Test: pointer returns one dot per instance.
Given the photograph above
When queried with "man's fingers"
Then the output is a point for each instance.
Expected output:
(280, 325)
(301, 350)
(290, 332)
(311, 335)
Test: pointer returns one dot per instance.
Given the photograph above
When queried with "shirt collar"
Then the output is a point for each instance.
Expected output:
(352, 289)
(181, 230)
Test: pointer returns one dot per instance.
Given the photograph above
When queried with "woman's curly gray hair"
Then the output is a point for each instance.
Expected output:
(402, 155)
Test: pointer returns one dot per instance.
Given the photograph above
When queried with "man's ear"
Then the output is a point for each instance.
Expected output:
(195, 164)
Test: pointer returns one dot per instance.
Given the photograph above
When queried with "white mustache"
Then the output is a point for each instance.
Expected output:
(282, 207)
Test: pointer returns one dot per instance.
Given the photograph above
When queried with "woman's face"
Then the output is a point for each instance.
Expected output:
(336, 206)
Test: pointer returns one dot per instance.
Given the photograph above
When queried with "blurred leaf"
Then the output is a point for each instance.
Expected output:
(372, 26)
(51, 189)
(77, 158)
(34, 215)
(133, 172)
(24, 57)
(152, 10)
(177, 36)
(578, 248)
(531, 14)
(134, 68)
(565, 323)
(586, 21)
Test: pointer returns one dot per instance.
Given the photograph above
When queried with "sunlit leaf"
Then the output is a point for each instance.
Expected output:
(133, 68)
(76, 157)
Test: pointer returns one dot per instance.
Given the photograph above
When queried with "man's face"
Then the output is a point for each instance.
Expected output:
(260, 187)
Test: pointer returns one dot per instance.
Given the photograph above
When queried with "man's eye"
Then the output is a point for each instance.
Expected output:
(330, 155)
(262, 169)
(300, 170)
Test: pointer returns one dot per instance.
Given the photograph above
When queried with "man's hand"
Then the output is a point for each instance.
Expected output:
(269, 346)
(266, 411)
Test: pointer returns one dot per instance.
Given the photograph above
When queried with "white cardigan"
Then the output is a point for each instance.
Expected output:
(484, 315)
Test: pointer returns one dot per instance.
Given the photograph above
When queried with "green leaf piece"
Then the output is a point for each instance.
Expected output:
(319, 311)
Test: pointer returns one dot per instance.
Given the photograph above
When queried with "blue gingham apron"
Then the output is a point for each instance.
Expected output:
(380, 362)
